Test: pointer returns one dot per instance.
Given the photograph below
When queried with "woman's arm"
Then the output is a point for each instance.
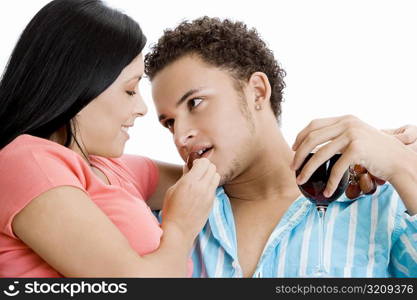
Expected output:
(168, 176)
(76, 238)
(67, 229)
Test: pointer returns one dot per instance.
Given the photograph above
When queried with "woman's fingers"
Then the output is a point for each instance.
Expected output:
(215, 181)
(199, 168)
(208, 175)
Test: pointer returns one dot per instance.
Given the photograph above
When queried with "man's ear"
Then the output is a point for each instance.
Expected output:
(260, 89)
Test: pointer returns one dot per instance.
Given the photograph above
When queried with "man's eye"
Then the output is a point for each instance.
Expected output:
(193, 103)
(131, 93)
(169, 124)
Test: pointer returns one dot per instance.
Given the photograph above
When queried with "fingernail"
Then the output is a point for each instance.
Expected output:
(300, 180)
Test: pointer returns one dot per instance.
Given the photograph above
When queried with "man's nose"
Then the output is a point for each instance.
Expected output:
(184, 135)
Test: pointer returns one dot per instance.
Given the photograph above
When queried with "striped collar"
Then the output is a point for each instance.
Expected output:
(223, 228)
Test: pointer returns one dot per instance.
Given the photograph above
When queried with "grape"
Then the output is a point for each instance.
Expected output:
(353, 190)
(191, 157)
(359, 169)
(367, 184)
(378, 181)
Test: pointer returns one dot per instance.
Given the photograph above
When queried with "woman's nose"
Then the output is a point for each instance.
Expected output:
(140, 107)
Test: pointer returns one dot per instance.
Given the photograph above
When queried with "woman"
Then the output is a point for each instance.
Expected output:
(72, 204)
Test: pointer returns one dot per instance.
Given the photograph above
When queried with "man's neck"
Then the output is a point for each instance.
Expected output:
(269, 177)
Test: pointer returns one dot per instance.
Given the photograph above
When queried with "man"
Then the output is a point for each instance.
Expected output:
(218, 89)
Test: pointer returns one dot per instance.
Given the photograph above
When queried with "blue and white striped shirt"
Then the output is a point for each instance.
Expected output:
(371, 236)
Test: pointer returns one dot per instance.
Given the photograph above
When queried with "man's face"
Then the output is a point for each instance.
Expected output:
(200, 105)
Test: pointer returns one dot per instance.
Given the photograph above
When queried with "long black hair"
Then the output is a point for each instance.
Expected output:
(68, 54)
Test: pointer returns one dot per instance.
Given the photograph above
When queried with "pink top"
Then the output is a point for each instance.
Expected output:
(30, 166)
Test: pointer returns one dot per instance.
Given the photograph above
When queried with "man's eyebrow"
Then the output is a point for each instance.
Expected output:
(186, 95)
(182, 99)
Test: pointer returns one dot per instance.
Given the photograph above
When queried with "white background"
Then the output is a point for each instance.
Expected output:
(341, 57)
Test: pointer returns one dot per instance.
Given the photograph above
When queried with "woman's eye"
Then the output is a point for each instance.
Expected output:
(194, 102)
(131, 93)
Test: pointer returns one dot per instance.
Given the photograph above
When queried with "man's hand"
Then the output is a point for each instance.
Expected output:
(407, 134)
(361, 181)
(381, 154)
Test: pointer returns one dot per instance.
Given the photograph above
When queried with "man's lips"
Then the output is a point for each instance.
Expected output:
(197, 154)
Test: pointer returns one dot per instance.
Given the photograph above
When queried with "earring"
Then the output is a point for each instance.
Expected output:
(258, 107)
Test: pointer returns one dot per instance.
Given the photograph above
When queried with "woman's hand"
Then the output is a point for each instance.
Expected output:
(360, 144)
(188, 203)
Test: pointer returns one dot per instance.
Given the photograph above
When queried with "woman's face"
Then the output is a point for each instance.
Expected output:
(103, 124)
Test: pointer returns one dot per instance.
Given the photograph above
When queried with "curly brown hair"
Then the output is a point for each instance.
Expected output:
(225, 44)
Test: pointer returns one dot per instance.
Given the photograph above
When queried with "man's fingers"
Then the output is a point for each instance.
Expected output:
(322, 155)
(406, 138)
(336, 174)
(314, 125)
(314, 139)
(389, 131)
(406, 134)
(412, 146)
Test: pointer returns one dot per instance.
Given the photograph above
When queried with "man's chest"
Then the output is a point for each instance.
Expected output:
(252, 234)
